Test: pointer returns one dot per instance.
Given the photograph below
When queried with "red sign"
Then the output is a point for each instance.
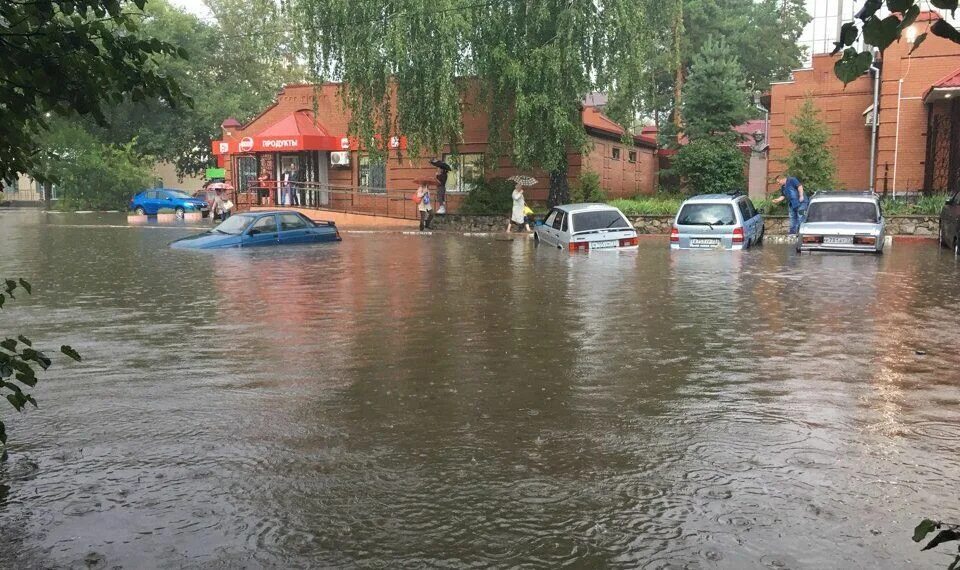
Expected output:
(246, 144)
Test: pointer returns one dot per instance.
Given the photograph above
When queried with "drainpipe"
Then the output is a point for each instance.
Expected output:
(875, 72)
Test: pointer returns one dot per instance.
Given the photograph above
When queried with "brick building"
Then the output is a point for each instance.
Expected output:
(918, 117)
(305, 130)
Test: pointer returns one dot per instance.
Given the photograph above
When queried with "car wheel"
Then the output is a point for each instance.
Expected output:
(179, 212)
(140, 211)
(536, 238)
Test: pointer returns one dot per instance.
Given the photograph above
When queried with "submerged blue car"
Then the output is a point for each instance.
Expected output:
(150, 202)
(254, 229)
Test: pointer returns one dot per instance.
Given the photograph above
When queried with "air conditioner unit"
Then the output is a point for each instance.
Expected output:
(339, 159)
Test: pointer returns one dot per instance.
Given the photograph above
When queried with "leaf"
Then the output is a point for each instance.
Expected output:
(3, 299)
(24, 340)
(955, 565)
(3, 434)
(5, 370)
(10, 285)
(943, 536)
(944, 30)
(27, 379)
(899, 5)
(881, 33)
(909, 17)
(9, 344)
(18, 400)
(69, 351)
(945, 4)
(26, 285)
(848, 35)
(925, 527)
(918, 41)
(870, 8)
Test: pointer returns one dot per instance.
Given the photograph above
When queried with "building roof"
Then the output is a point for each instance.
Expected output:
(944, 87)
(230, 123)
(595, 120)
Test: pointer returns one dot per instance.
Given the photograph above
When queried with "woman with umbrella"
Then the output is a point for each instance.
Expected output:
(220, 206)
(518, 215)
(442, 169)
(424, 207)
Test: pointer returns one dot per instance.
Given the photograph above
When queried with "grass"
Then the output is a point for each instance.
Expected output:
(669, 204)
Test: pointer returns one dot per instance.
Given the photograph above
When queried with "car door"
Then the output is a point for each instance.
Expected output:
(261, 232)
(950, 219)
(295, 229)
(546, 229)
(754, 221)
(562, 225)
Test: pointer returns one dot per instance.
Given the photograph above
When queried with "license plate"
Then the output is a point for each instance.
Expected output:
(700, 242)
(838, 240)
(603, 244)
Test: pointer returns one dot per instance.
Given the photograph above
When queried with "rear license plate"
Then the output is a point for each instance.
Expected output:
(603, 244)
(700, 242)
(837, 240)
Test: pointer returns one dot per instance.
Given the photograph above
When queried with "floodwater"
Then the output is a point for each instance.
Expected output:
(447, 401)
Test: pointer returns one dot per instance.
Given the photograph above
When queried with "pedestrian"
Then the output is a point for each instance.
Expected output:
(791, 190)
(517, 215)
(219, 208)
(424, 207)
(441, 190)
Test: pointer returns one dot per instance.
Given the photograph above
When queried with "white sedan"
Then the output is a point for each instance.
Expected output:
(586, 227)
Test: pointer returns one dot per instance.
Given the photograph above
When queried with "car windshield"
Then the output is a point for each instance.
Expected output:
(706, 215)
(178, 194)
(857, 212)
(599, 220)
(234, 225)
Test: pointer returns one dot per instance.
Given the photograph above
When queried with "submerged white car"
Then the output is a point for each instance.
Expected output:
(843, 221)
(586, 227)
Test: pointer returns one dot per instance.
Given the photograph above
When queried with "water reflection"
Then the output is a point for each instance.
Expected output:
(399, 400)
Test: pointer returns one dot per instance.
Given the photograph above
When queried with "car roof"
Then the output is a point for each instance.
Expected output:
(586, 207)
(266, 212)
(845, 196)
(713, 198)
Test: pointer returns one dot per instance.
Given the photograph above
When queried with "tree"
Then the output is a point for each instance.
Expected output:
(530, 63)
(811, 158)
(948, 533)
(20, 362)
(880, 29)
(710, 165)
(59, 57)
(716, 98)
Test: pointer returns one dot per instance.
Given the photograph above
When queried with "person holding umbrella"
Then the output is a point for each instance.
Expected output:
(442, 169)
(518, 215)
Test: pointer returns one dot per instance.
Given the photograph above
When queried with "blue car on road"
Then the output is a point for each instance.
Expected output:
(252, 229)
(150, 202)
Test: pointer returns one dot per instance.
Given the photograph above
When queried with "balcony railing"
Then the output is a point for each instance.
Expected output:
(330, 197)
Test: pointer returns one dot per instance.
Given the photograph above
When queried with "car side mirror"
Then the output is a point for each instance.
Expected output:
(761, 210)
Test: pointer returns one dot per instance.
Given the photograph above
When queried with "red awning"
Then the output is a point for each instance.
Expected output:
(296, 132)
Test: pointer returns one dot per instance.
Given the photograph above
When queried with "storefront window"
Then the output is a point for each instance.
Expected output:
(466, 169)
(372, 175)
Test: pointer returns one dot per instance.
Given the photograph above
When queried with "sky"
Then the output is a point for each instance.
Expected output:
(194, 7)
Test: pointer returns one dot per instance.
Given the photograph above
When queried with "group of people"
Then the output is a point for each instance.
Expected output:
(519, 212)
(791, 191)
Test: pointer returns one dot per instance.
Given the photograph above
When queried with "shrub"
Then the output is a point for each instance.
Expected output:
(710, 165)
(488, 197)
(587, 188)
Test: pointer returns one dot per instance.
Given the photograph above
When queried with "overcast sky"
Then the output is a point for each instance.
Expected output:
(193, 6)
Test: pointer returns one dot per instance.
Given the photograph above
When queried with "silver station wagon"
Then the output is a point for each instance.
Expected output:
(843, 221)
(586, 227)
(717, 221)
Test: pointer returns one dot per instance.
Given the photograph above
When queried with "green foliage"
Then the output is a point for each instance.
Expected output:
(669, 204)
(91, 174)
(948, 533)
(60, 57)
(20, 362)
(716, 96)
(587, 189)
(926, 205)
(710, 165)
(488, 197)
(811, 158)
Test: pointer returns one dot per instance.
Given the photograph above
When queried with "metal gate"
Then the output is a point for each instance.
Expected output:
(942, 165)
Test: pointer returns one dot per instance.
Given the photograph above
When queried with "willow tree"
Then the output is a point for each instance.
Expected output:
(408, 64)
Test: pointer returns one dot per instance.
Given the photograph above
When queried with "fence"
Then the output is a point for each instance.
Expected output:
(320, 196)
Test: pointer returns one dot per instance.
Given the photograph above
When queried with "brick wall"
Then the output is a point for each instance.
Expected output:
(621, 178)
(901, 143)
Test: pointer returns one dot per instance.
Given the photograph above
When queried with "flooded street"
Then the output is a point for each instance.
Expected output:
(447, 401)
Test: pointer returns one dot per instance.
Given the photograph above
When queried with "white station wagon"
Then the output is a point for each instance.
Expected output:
(586, 227)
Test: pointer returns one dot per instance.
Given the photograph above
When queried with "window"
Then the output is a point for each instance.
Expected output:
(371, 175)
(289, 222)
(599, 220)
(632, 156)
(616, 153)
(559, 221)
(858, 212)
(566, 220)
(153, 195)
(234, 225)
(706, 215)
(466, 169)
(744, 210)
(266, 225)
(550, 218)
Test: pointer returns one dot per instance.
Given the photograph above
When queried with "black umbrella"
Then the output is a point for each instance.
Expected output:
(441, 164)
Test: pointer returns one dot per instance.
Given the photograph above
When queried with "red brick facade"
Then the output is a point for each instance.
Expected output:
(620, 177)
(903, 114)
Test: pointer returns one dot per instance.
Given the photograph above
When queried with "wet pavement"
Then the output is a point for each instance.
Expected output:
(447, 401)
